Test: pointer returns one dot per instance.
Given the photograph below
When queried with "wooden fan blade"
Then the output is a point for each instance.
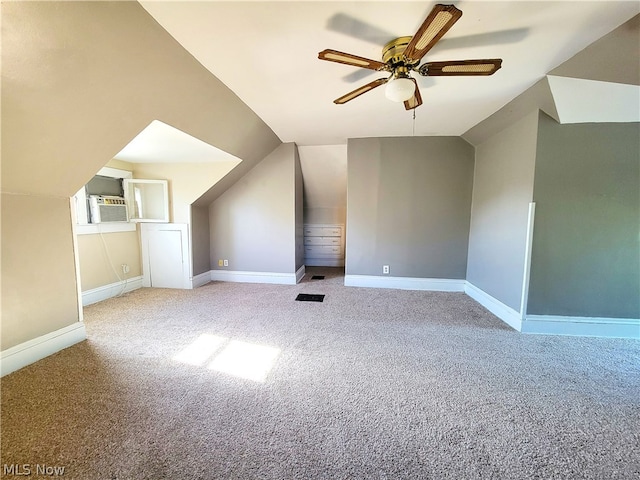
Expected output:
(437, 23)
(359, 91)
(461, 67)
(414, 101)
(348, 59)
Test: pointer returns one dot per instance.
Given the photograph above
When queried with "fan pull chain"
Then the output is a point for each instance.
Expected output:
(414, 122)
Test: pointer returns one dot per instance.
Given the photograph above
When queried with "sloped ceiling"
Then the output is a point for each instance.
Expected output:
(613, 58)
(324, 169)
(599, 84)
(590, 101)
(602, 82)
(162, 143)
(81, 79)
(266, 53)
(108, 79)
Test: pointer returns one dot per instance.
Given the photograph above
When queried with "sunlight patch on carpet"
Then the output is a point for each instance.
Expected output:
(201, 350)
(234, 357)
(246, 360)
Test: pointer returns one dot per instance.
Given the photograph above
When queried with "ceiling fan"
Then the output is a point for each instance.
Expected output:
(402, 55)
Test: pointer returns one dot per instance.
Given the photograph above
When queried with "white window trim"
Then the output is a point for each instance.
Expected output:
(165, 208)
(114, 172)
(81, 206)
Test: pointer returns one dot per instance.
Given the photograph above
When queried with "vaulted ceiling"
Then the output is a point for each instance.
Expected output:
(266, 53)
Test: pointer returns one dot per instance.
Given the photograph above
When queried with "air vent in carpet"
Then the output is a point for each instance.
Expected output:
(317, 277)
(309, 297)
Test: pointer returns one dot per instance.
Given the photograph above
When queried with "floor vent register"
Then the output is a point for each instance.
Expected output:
(310, 297)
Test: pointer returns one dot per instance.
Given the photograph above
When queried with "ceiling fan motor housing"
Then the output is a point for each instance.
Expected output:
(393, 54)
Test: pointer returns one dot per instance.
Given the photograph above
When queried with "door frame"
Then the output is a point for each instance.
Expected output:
(145, 228)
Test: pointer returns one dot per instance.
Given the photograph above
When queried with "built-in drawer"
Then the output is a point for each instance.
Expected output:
(332, 231)
(323, 231)
(322, 241)
(311, 251)
(331, 250)
(313, 240)
(314, 231)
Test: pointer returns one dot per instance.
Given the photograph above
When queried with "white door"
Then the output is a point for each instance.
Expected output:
(165, 259)
(165, 255)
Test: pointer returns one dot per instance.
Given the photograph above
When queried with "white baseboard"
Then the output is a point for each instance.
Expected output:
(26, 353)
(253, 277)
(554, 324)
(201, 279)
(323, 262)
(113, 289)
(505, 313)
(300, 273)
(582, 326)
(405, 283)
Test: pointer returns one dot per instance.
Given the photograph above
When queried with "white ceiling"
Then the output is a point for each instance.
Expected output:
(585, 101)
(162, 143)
(266, 52)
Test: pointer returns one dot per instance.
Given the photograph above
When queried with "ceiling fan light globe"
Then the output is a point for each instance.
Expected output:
(399, 90)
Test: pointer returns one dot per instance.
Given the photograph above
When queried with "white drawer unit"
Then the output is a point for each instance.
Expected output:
(324, 245)
(322, 241)
(321, 250)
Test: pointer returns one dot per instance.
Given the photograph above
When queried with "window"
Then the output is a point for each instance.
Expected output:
(109, 192)
(147, 200)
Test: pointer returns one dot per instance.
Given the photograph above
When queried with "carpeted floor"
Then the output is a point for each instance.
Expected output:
(241, 381)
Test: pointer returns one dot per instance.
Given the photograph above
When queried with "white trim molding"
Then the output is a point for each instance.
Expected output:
(112, 290)
(253, 277)
(555, 324)
(300, 273)
(248, 277)
(324, 262)
(405, 283)
(98, 228)
(76, 258)
(582, 326)
(526, 276)
(504, 312)
(31, 351)
(201, 279)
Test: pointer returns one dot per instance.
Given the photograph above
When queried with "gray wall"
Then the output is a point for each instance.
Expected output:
(253, 223)
(299, 210)
(586, 250)
(409, 206)
(200, 246)
(502, 191)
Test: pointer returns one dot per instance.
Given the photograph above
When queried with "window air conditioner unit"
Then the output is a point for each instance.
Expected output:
(107, 209)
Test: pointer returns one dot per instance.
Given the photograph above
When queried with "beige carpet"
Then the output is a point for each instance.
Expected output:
(241, 381)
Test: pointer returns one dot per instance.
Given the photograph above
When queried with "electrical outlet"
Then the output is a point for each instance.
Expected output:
(385, 269)
(226, 263)
(125, 268)
(219, 263)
